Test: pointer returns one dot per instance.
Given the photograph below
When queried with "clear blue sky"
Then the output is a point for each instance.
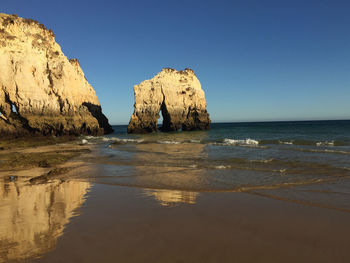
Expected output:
(256, 60)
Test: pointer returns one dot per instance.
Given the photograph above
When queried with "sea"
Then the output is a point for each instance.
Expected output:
(229, 157)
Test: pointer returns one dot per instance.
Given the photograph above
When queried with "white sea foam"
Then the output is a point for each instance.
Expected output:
(222, 167)
(288, 143)
(120, 140)
(241, 142)
(91, 137)
(168, 142)
(326, 143)
(263, 161)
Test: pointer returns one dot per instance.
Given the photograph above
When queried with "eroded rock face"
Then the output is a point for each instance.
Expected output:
(177, 95)
(41, 91)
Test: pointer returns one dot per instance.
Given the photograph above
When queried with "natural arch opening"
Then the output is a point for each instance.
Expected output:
(13, 108)
(6, 114)
(165, 116)
(160, 120)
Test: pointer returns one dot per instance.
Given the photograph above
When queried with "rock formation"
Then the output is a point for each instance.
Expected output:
(41, 91)
(180, 98)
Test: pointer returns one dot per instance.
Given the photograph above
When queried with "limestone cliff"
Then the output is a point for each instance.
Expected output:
(41, 91)
(180, 98)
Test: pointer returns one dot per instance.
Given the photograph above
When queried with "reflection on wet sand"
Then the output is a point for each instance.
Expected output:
(169, 174)
(172, 197)
(169, 166)
(32, 217)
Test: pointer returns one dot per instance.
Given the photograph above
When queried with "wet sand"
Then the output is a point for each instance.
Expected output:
(41, 161)
(122, 224)
(66, 218)
(35, 200)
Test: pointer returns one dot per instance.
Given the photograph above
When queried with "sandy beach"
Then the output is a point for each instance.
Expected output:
(66, 218)
(121, 224)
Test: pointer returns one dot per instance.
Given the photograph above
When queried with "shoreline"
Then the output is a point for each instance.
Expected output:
(71, 209)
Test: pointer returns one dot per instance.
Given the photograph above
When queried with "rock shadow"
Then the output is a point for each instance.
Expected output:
(96, 112)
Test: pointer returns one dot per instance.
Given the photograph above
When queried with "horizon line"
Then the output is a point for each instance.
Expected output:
(266, 121)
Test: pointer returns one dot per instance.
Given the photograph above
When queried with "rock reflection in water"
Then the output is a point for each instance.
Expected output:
(171, 167)
(32, 217)
(172, 197)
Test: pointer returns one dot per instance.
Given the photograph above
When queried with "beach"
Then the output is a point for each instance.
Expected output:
(123, 224)
(179, 197)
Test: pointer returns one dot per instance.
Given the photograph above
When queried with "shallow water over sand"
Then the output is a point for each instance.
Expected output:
(227, 158)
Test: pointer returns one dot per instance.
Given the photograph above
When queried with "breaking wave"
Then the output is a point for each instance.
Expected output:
(286, 142)
(248, 142)
(168, 142)
(326, 143)
(115, 140)
(240, 142)
(222, 167)
(305, 143)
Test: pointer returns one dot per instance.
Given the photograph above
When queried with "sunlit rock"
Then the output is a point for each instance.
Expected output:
(41, 91)
(177, 95)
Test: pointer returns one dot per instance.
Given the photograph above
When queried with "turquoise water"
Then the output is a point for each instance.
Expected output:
(229, 157)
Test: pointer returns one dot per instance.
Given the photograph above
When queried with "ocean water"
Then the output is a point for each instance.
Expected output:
(229, 157)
